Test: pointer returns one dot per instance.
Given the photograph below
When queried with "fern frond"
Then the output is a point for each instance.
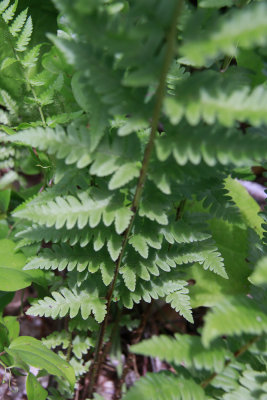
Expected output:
(238, 28)
(31, 57)
(56, 339)
(205, 253)
(163, 386)
(73, 146)
(17, 25)
(186, 350)
(3, 5)
(25, 36)
(251, 383)
(213, 97)
(180, 302)
(70, 302)
(9, 12)
(169, 286)
(10, 104)
(234, 316)
(80, 345)
(87, 208)
(212, 145)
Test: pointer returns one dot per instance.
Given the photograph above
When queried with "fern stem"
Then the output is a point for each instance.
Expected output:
(238, 353)
(170, 47)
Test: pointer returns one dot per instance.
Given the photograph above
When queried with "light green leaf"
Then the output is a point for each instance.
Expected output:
(259, 276)
(122, 219)
(34, 389)
(34, 353)
(124, 175)
(11, 268)
(232, 242)
(165, 386)
(129, 277)
(139, 244)
(234, 316)
(114, 246)
(249, 208)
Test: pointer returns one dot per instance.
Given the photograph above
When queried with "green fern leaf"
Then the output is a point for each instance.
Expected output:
(56, 339)
(9, 12)
(139, 244)
(10, 104)
(74, 146)
(129, 277)
(17, 25)
(238, 28)
(67, 301)
(251, 383)
(7, 62)
(234, 316)
(3, 5)
(114, 246)
(215, 3)
(164, 386)
(180, 302)
(185, 349)
(25, 37)
(31, 57)
(80, 345)
(124, 175)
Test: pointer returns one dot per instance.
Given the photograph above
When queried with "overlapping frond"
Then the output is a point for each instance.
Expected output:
(237, 28)
(186, 350)
(70, 302)
(165, 386)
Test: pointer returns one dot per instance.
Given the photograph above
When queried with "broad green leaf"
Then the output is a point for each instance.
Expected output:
(34, 353)
(34, 389)
(11, 268)
(4, 228)
(12, 326)
(4, 200)
(259, 276)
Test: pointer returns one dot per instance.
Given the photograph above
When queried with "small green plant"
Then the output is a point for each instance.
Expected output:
(144, 113)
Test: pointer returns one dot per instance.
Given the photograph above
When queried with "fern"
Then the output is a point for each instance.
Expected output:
(140, 149)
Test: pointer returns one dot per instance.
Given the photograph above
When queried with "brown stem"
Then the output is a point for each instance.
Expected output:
(238, 353)
(171, 37)
(2, 353)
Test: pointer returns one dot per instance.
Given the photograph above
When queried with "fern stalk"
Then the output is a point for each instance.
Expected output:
(170, 48)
